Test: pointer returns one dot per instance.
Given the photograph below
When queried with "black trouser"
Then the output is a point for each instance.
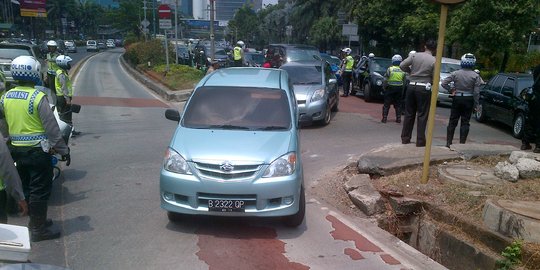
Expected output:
(3, 206)
(347, 77)
(462, 108)
(238, 63)
(417, 103)
(531, 131)
(50, 81)
(392, 96)
(64, 110)
(36, 172)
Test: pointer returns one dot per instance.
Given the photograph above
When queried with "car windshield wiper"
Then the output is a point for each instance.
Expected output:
(273, 128)
(228, 127)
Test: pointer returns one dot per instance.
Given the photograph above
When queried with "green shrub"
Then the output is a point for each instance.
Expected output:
(180, 76)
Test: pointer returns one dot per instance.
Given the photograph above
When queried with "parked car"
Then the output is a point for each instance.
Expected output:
(370, 82)
(335, 63)
(110, 43)
(254, 59)
(279, 54)
(182, 54)
(236, 149)
(101, 45)
(9, 51)
(448, 65)
(70, 46)
(501, 101)
(221, 56)
(316, 90)
(91, 46)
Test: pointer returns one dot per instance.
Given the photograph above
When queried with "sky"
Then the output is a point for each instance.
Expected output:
(266, 2)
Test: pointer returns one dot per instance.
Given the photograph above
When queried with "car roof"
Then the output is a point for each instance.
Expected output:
(517, 75)
(245, 77)
(294, 46)
(450, 60)
(17, 45)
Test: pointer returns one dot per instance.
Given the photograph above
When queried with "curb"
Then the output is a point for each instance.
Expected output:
(157, 87)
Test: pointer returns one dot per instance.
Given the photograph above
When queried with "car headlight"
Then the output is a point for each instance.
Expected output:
(174, 162)
(317, 95)
(283, 166)
(379, 82)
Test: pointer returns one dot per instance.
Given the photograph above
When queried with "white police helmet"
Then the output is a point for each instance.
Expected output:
(64, 61)
(468, 60)
(240, 43)
(52, 43)
(371, 55)
(26, 68)
(412, 52)
(397, 59)
(347, 51)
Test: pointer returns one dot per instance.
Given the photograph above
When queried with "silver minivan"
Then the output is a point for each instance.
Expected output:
(91, 46)
(236, 150)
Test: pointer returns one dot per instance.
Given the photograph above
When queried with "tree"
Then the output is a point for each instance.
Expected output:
(325, 33)
(244, 25)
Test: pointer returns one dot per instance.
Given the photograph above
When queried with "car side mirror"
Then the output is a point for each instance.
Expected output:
(172, 114)
(332, 81)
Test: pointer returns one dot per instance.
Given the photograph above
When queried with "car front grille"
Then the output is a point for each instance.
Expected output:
(214, 171)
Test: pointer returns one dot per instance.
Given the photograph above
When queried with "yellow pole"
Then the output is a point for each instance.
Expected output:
(434, 93)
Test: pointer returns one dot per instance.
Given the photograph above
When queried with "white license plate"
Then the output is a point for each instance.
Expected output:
(226, 205)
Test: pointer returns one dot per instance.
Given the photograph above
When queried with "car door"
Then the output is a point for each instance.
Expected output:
(506, 101)
(490, 94)
(331, 88)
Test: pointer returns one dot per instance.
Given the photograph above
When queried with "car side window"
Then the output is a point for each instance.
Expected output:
(327, 72)
(496, 84)
(508, 87)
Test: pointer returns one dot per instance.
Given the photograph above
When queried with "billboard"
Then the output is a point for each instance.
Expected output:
(33, 8)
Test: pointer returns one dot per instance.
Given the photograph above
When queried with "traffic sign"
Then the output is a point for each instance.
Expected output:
(165, 24)
(145, 23)
(164, 12)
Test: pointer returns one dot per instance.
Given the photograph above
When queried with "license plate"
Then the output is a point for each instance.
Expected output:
(226, 205)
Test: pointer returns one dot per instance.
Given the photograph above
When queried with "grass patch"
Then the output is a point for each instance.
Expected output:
(179, 77)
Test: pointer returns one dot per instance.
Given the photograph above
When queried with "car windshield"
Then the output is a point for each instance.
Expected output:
(449, 68)
(241, 108)
(294, 55)
(332, 60)
(256, 58)
(12, 53)
(304, 74)
(380, 65)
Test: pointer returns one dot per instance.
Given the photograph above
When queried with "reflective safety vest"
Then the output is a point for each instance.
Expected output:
(237, 53)
(52, 67)
(22, 116)
(396, 76)
(349, 63)
(58, 86)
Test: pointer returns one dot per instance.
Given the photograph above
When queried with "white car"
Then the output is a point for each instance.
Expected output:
(448, 65)
(110, 44)
(91, 45)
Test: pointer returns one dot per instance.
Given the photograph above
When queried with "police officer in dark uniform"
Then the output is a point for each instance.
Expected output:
(464, 86)
(531, 132)
(34, 134)
(417, 101)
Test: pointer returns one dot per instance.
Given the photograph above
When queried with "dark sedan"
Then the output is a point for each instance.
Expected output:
(501, 101)
(370, 81)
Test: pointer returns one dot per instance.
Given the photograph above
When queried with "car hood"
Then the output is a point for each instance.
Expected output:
(232, 145)
(304, 91)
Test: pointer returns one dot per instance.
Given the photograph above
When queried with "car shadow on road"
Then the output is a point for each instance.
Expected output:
(73, 175)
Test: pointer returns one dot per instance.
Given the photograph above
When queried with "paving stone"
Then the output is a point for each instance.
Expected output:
(357, 181)
(528, 168)
(516, 219)
(507, 171)
(368, 202)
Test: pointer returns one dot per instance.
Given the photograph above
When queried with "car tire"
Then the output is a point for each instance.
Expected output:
(174, 217)
(327, 115)
(480, 115)
(518, 125)
(367, 93)
(298, 218)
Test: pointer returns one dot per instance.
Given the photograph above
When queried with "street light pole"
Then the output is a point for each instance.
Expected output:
(212, 45)
(176, 30)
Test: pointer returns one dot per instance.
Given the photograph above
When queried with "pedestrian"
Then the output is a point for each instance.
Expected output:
(347, 65)
(394, 82)
(64, 91)
(190, 52)
(238, 54)
(53, 53)
(464, 87)
(213, 67)
(10, 183)
(531, 131)
(34, 135)
(417, 101)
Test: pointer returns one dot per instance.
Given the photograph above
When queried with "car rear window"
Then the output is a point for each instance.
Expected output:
(304, 74)
(240, 108)
(380, 65)
(449, 68)
(294, 55)
(12, 53)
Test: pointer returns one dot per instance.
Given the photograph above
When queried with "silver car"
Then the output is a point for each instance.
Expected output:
(315, 87)
(236, 149)
(448, 65)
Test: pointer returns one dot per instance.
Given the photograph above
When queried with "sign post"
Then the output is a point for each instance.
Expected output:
(435, 86)
(164, 14)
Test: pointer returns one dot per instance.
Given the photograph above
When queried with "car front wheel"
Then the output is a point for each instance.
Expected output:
(297, 219)
(327, 115)
(518, 126)
(480, 114)
(367, 92)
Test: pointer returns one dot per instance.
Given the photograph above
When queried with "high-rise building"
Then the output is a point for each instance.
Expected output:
(225, 9)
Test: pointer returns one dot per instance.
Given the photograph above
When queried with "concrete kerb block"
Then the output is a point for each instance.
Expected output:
(507, 171)
(357, 181)
(528, 168)
(364, 195)
(499, 219)
(404, 206)
(515, 155)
